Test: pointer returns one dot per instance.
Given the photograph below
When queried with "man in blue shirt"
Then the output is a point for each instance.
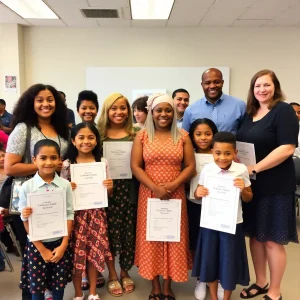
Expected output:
(225, 111)
(5, 118)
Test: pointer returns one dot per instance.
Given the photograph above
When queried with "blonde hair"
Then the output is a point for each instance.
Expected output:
(104, 122)
(150, 128)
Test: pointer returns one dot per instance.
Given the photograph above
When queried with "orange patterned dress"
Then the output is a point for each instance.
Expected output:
(163, 163)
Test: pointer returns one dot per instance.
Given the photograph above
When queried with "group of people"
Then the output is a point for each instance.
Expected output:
(166, 134)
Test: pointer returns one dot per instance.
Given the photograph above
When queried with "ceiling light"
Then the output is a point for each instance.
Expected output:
(151, 9)
(30, 9)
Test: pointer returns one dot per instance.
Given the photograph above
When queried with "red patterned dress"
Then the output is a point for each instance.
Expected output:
(90, 238)
(163, 163)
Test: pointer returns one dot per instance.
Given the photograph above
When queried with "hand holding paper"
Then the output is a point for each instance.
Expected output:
(239, 183)
(108, 183)
(73, 185)
(161, 193)
(26, 212)
(201, 192)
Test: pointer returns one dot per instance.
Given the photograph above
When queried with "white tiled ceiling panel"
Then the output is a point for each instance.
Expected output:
(225, 12)
(267, 9)
(289, 17)
(189, 12)
(185, 13)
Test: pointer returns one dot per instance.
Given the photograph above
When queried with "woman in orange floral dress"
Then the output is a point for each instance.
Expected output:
(158, 153)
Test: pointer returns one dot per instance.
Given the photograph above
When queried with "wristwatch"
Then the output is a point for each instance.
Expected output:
(254, 172)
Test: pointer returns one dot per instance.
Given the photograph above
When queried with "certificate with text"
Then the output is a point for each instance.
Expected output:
(90, 192)
(118, 155)
(201, 161)
(163, 220)
(246, 155)
(220, 207)
(49, 215)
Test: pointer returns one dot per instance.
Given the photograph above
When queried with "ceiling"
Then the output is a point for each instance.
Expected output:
(185, 13)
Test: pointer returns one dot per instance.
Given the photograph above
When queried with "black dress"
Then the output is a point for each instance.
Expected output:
(271, 215)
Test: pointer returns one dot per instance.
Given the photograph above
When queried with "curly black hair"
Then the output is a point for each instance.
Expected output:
(24, 110)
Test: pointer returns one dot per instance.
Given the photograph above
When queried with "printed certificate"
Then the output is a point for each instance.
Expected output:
(201, 161)
(220, 207)
(49, 215)
(90, 192)
(246, 155)
(163, 220)
(118, 155)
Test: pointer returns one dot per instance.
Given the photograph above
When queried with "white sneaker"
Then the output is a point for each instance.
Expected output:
(200, 290)
(94, 297)
(48, 295)
(220, 292)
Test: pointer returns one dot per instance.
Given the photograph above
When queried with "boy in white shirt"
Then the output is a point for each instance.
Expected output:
(222, 256)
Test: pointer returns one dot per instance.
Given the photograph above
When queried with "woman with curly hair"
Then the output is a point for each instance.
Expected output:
(40, 110)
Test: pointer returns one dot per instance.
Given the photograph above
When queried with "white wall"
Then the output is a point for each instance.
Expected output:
(12, 61)
(59, 56)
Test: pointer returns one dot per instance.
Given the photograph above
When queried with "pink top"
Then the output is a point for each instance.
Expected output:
(3, 138)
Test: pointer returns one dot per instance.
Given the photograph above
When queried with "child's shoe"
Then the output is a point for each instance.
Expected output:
(220, 292)
(48, 295)
(200, 290)
(94, 297)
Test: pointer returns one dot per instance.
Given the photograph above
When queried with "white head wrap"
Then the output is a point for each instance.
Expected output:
(155, 99)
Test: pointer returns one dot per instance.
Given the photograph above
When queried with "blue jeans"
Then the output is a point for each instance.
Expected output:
(57, 295)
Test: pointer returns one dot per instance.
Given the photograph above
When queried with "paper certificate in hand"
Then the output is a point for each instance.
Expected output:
(201, 161)
(220, 207)
(118, 155)
(49, 215)
(163, 220)
(90, 192)
(246, 155)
